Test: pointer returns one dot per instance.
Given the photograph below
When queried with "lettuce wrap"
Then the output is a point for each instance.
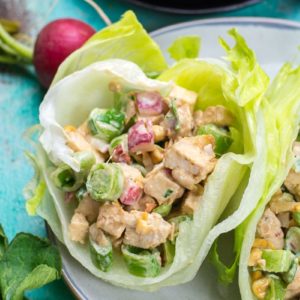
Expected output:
(91, 90)
(278, 206)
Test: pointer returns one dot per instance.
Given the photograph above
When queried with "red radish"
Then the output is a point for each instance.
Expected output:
(131, 194)
(121, 155)
(55, 42)
(141, 137)
(149, 103)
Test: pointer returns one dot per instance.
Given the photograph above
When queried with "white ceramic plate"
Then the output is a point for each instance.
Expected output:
(275, 42)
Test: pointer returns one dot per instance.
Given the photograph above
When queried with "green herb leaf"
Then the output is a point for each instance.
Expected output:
(29, 262)
(168, 193)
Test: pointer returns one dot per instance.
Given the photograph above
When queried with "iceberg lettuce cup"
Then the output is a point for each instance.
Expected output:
(269, 265)
(134, 172)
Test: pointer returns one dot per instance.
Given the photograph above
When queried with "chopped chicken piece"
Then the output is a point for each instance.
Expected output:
(98, 236)
(283, 202)
(130, 111)
(146, 204)
(292, 183)
(89, 208)
(284, 219)
(132, 173)
(217, 115)
(112, 219)
(78, 228)
(77, 142)
(145, 230)
(293, 289)
(296, 149)
(155, 120)
(117, 242)
(180, 125)
(269, 228)
(183, 96)
(194, 156)
(160, 185)
(184, 178)
(191, 201)
(185, 119)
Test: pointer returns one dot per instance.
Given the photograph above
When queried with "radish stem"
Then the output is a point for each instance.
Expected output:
(14, 60)
(22, 50)
(100, 11)
(11, 26)
(7, 49)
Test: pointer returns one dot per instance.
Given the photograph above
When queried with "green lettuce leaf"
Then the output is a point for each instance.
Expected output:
(284, 96)
(185, 47)
(35, 189)
(28, 262)
(126, 39)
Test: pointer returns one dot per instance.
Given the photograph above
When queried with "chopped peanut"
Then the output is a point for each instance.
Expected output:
(159, 133)
(260, 287)
(262, 244)
(147, 161)
(141, 226)
(156, 155)
(255, 256)
(256, 275)
(69, 128)
(144, 216)
(297, 208)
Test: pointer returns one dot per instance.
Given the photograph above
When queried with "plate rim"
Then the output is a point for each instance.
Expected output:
(183, 11)
(257, 21)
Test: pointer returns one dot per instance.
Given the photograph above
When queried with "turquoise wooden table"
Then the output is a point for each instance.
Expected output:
(20, 96)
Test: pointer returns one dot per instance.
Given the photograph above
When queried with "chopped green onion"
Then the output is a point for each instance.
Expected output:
(276, 290)
(163, 209)
(141, 262)
(292, 241)
(105, 182)
(168, 249)
(65, 178)
(106, 123)
(81, 193)
(222, 137)
(101, 256)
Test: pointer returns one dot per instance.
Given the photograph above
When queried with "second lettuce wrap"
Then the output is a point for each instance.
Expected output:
(268, 267)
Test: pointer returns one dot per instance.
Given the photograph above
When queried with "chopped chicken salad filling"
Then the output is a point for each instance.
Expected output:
(274, 258)
(143, 168)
